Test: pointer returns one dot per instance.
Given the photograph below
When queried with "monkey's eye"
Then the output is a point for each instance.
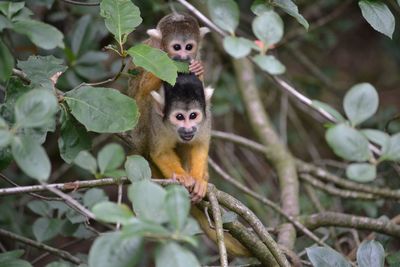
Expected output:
(193, 115)
(189, 47)
(177, 47)
(180, 117)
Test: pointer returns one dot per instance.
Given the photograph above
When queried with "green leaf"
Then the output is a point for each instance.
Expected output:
(360, 102)
(269, 64)
(61, 264)
(392, 152)
(361, 172)
(191, 228)
(371, 254)
(144, 228)
(5, 138)
(6, 62)
(115, 174)
(148, 201)
(379, 16)
(291, 8)
(86, 161)
(40, 207)
(393, 259)
(35, 108)
(11, 255)
(94, 196)
(113, 249)
(41, 34)
(268, 27)
(121, 17)
(173, 255)
(229, 216)
(259, 6)
(46, 228)
(155, 61)
(40, 69)
(378, 137)
(31, 158)
(73, 138)
(9, 8)
(237, 47)
(16, 263)
(336, 114)
(80, 33)
(326, 257)
(182, 67)
(110, 157)
(137, 168)
(348, 143)
(102, 110)
(178, 206)
(112, 212)
(224, 13)
(4, 23)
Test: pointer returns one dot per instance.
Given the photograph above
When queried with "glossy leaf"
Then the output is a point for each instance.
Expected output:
(268, 27)
(360, 102)
(112, 212)
(327, 257)
(291, 8)
(45, 228)
(31, 158)
(348, 143)
(173, 255)
(178, 206)
(237, 47)
(86, 161)
(148, 201)
(113, 249)
(6, 62)
(137, 168)
(329, 109)
(102, 110)
(155, 61)
(110, 157)
(378, 15)
(371, 254)
(224, 13)
(121, 17)
(270, 64)
(361, 172)
(41, 34)
(392, 152)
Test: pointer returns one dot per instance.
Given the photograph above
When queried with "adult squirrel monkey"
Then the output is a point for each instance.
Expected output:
(179, 35)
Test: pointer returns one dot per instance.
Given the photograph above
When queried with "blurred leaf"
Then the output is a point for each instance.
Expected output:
(360, 103)
(41, 34)
(92, 58)
(40, 69)
(348, 143)
(93, 196)
(5, 138)
(361, 172)
(73, 138)
(237, 47)
(6, 62)
(102, 110)
(291, 8)
(155, 61)
(143, 228)
(91, 72)
(259, 6)
(173, 255)
(224, 13)
(268, 27)
(378, 137)
(148, 201)
(10, 8)
(393, 149)
(31, 158)
(40, 207)
(137, 168)
(378, 15)
(15, 263)
(5, 158)
(14, 90)
(113, 249)
(229, 216)
(46, 228)
(82, 26)
(4, 23)
(121, 17)
(11, 255)
(61, 264)
(86, 161)
(191, 228)
(393, 259)
(326, 257)
(269, 64)
(370, 254)
(177, 205)
(182, 67)
(115, 174)
(112, 212)
(35, 108)
(336, 114)
(110, 157)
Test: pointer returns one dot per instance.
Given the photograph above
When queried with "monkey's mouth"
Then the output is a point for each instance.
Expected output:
(186, 137)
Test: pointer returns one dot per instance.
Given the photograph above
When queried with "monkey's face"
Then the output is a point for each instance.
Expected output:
(183, 50)
(186, 123)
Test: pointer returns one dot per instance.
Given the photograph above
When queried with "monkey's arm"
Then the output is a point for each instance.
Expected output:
(199, 170)
(142, 84)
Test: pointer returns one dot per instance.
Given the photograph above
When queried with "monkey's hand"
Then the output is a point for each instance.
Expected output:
(196, 67)
(185, 180)
(199, 190)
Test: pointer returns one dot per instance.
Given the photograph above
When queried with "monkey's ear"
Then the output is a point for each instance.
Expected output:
(204, 31)
(159, 102)
(208, 92)
(155, 33)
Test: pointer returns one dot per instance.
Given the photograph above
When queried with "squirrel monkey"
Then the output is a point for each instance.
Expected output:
(179, 35)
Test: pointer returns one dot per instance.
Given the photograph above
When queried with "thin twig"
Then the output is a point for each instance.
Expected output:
(60, 253)
(72, 2)
(119, 201)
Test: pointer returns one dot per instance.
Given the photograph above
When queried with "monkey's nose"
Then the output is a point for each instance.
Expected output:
(187, 134)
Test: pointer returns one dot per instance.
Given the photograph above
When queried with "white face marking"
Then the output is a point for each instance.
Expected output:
(182, 49)
(186, 118)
